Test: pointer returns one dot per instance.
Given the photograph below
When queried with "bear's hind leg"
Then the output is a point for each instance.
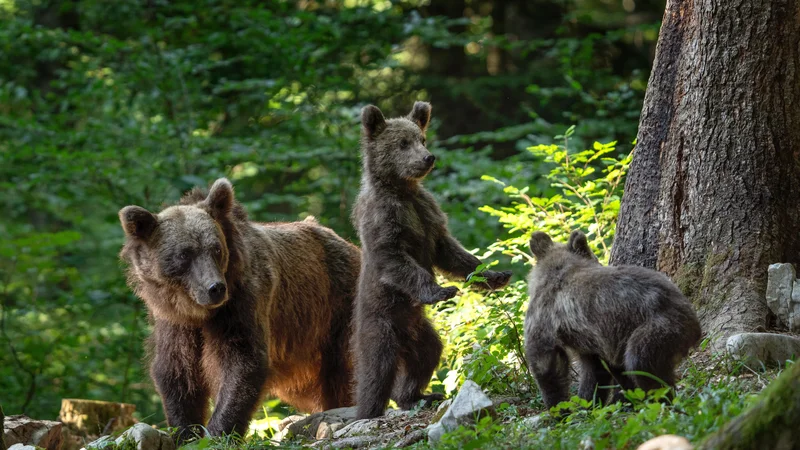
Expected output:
(376, 365)
(648, 350)
(421, 355)
(336, 373)
(594, 379)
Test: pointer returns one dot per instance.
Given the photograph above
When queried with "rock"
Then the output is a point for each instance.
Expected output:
(533, 421)
(666, 442)
(309, 426)
(437, 416)
(755, 349)
(143, 435)
(101, 443)
(326, 430)
(290, 420)
(95, 418)
(469, 404)
(359, 427)
(412, 438)
(782, 302)
(24, 447)
(435, 432)
(26, 431)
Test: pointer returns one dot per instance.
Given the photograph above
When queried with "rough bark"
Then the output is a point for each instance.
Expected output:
(713, 193)
(771, 423)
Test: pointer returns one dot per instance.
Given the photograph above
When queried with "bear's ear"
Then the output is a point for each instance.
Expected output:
(137, 221)
(220, 198)
(421, 115)
(372, 121)
(577, 244)
(540, 244)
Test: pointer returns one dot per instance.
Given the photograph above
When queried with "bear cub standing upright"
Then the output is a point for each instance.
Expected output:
(404, 236)
(634, 319)
(240, 308)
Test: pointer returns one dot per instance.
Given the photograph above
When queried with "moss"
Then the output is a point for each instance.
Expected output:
(769, 423)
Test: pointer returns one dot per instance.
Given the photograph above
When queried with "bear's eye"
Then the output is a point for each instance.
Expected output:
(216, 250)
(183, 255)
(404, 143)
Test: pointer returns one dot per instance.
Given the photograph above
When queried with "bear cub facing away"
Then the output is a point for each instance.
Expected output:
(241, 308)
(404, 236)
(633, 318)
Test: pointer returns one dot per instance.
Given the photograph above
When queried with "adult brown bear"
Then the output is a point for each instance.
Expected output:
(241, 308)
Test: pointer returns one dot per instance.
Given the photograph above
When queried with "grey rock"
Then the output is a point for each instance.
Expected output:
(470, 403)
(309, 426)
(23, 447)
(780, 283)
(290, 420)
(353, 442)
(103, 442)
(533, 422)
(23, 430)
(359, 427)
(755, 349)
(326, 430)
(441, 409)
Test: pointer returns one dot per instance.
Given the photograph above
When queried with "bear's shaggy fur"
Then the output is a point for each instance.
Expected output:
(241, 309)
(634, 319)
(404, 236)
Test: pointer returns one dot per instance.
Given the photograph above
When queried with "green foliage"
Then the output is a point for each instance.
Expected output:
(483, 333)
(588, 192)
(704, 403)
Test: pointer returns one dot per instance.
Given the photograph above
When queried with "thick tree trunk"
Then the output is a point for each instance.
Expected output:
(770, 424)
(713, 193)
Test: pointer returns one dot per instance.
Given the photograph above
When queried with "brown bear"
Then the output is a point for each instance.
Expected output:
(404, 236)
(631, 318)
(241, 308)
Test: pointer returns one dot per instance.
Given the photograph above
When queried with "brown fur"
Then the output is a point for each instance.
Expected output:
(634, 319)
(404, 236)
(282, 325)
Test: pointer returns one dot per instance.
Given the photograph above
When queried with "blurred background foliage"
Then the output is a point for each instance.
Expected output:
(105, 104)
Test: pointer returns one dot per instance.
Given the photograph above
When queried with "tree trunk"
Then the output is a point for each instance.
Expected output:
(770, 423)
(713, 193)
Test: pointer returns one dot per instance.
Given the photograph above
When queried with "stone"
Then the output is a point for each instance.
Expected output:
(143, 435)
(756, 349)
(24, 447)
(666, 442)
(309, 425)
(23, 430)
(780, 299)
(326, 430)
(2, 429)
(533, 422)
(101, 443)
(351, 442)
(441, 409)
(359, 427)
(470, 403)
(290, 420)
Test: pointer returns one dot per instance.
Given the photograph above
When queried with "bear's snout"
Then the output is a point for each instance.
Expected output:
(429, 160)
(216, 292)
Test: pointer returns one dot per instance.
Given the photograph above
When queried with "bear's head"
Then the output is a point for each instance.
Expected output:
(577, 248)
(394, 149)
(178, 258)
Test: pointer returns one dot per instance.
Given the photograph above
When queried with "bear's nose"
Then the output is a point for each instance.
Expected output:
(216, 291)
(429, 160)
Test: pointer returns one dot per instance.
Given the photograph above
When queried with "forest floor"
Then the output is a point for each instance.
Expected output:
(712, 390)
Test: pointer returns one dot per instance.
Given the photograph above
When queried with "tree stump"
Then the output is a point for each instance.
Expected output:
(95, 418)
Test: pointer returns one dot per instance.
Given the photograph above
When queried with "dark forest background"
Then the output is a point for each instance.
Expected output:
(105, 104)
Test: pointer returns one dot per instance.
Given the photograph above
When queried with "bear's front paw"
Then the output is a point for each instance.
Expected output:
(442, 294)
(497, 280)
